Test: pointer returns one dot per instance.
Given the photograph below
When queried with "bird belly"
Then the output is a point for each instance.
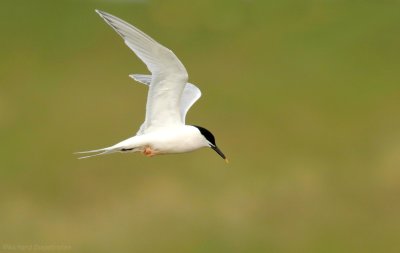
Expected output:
(175, 142)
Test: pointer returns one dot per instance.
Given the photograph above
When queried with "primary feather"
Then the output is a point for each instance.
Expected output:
(169, 76)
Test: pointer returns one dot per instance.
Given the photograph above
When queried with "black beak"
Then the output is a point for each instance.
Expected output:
(216, 149)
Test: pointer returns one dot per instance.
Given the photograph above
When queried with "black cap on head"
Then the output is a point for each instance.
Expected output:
(210, 137)
(207, 134)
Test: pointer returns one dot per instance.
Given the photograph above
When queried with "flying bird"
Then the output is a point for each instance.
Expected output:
(169, 98)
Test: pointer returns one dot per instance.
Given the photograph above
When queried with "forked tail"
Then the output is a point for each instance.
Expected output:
(102, 151)
(128, 145)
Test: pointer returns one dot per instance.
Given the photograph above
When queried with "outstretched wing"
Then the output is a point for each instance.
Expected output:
(169, 76)
(189, 96)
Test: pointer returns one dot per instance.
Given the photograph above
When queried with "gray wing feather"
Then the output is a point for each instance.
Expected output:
(189, 96)
(169, 76)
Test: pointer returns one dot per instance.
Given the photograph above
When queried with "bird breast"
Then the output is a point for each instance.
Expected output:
(176, 140)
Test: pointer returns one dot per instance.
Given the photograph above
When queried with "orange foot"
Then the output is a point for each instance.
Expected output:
(148, 152)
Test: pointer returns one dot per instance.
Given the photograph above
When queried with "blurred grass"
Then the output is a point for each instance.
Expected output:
(302, 96)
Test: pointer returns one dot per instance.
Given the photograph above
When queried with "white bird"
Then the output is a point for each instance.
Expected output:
(169, 98)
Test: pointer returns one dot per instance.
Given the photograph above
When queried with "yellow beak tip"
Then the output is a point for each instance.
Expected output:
(226, 160)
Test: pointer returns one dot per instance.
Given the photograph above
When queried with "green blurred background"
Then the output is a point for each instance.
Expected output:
(303, 97)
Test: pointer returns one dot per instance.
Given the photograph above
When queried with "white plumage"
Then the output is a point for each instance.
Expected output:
(169, 98)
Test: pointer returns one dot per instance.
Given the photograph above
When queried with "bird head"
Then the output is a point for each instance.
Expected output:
(209, 137)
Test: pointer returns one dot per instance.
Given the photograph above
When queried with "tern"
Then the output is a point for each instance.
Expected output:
(169, 98)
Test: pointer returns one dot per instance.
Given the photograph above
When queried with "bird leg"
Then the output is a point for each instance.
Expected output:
(148, 152)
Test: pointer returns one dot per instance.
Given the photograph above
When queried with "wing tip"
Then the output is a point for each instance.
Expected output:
(101, 13)
(106, 16)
